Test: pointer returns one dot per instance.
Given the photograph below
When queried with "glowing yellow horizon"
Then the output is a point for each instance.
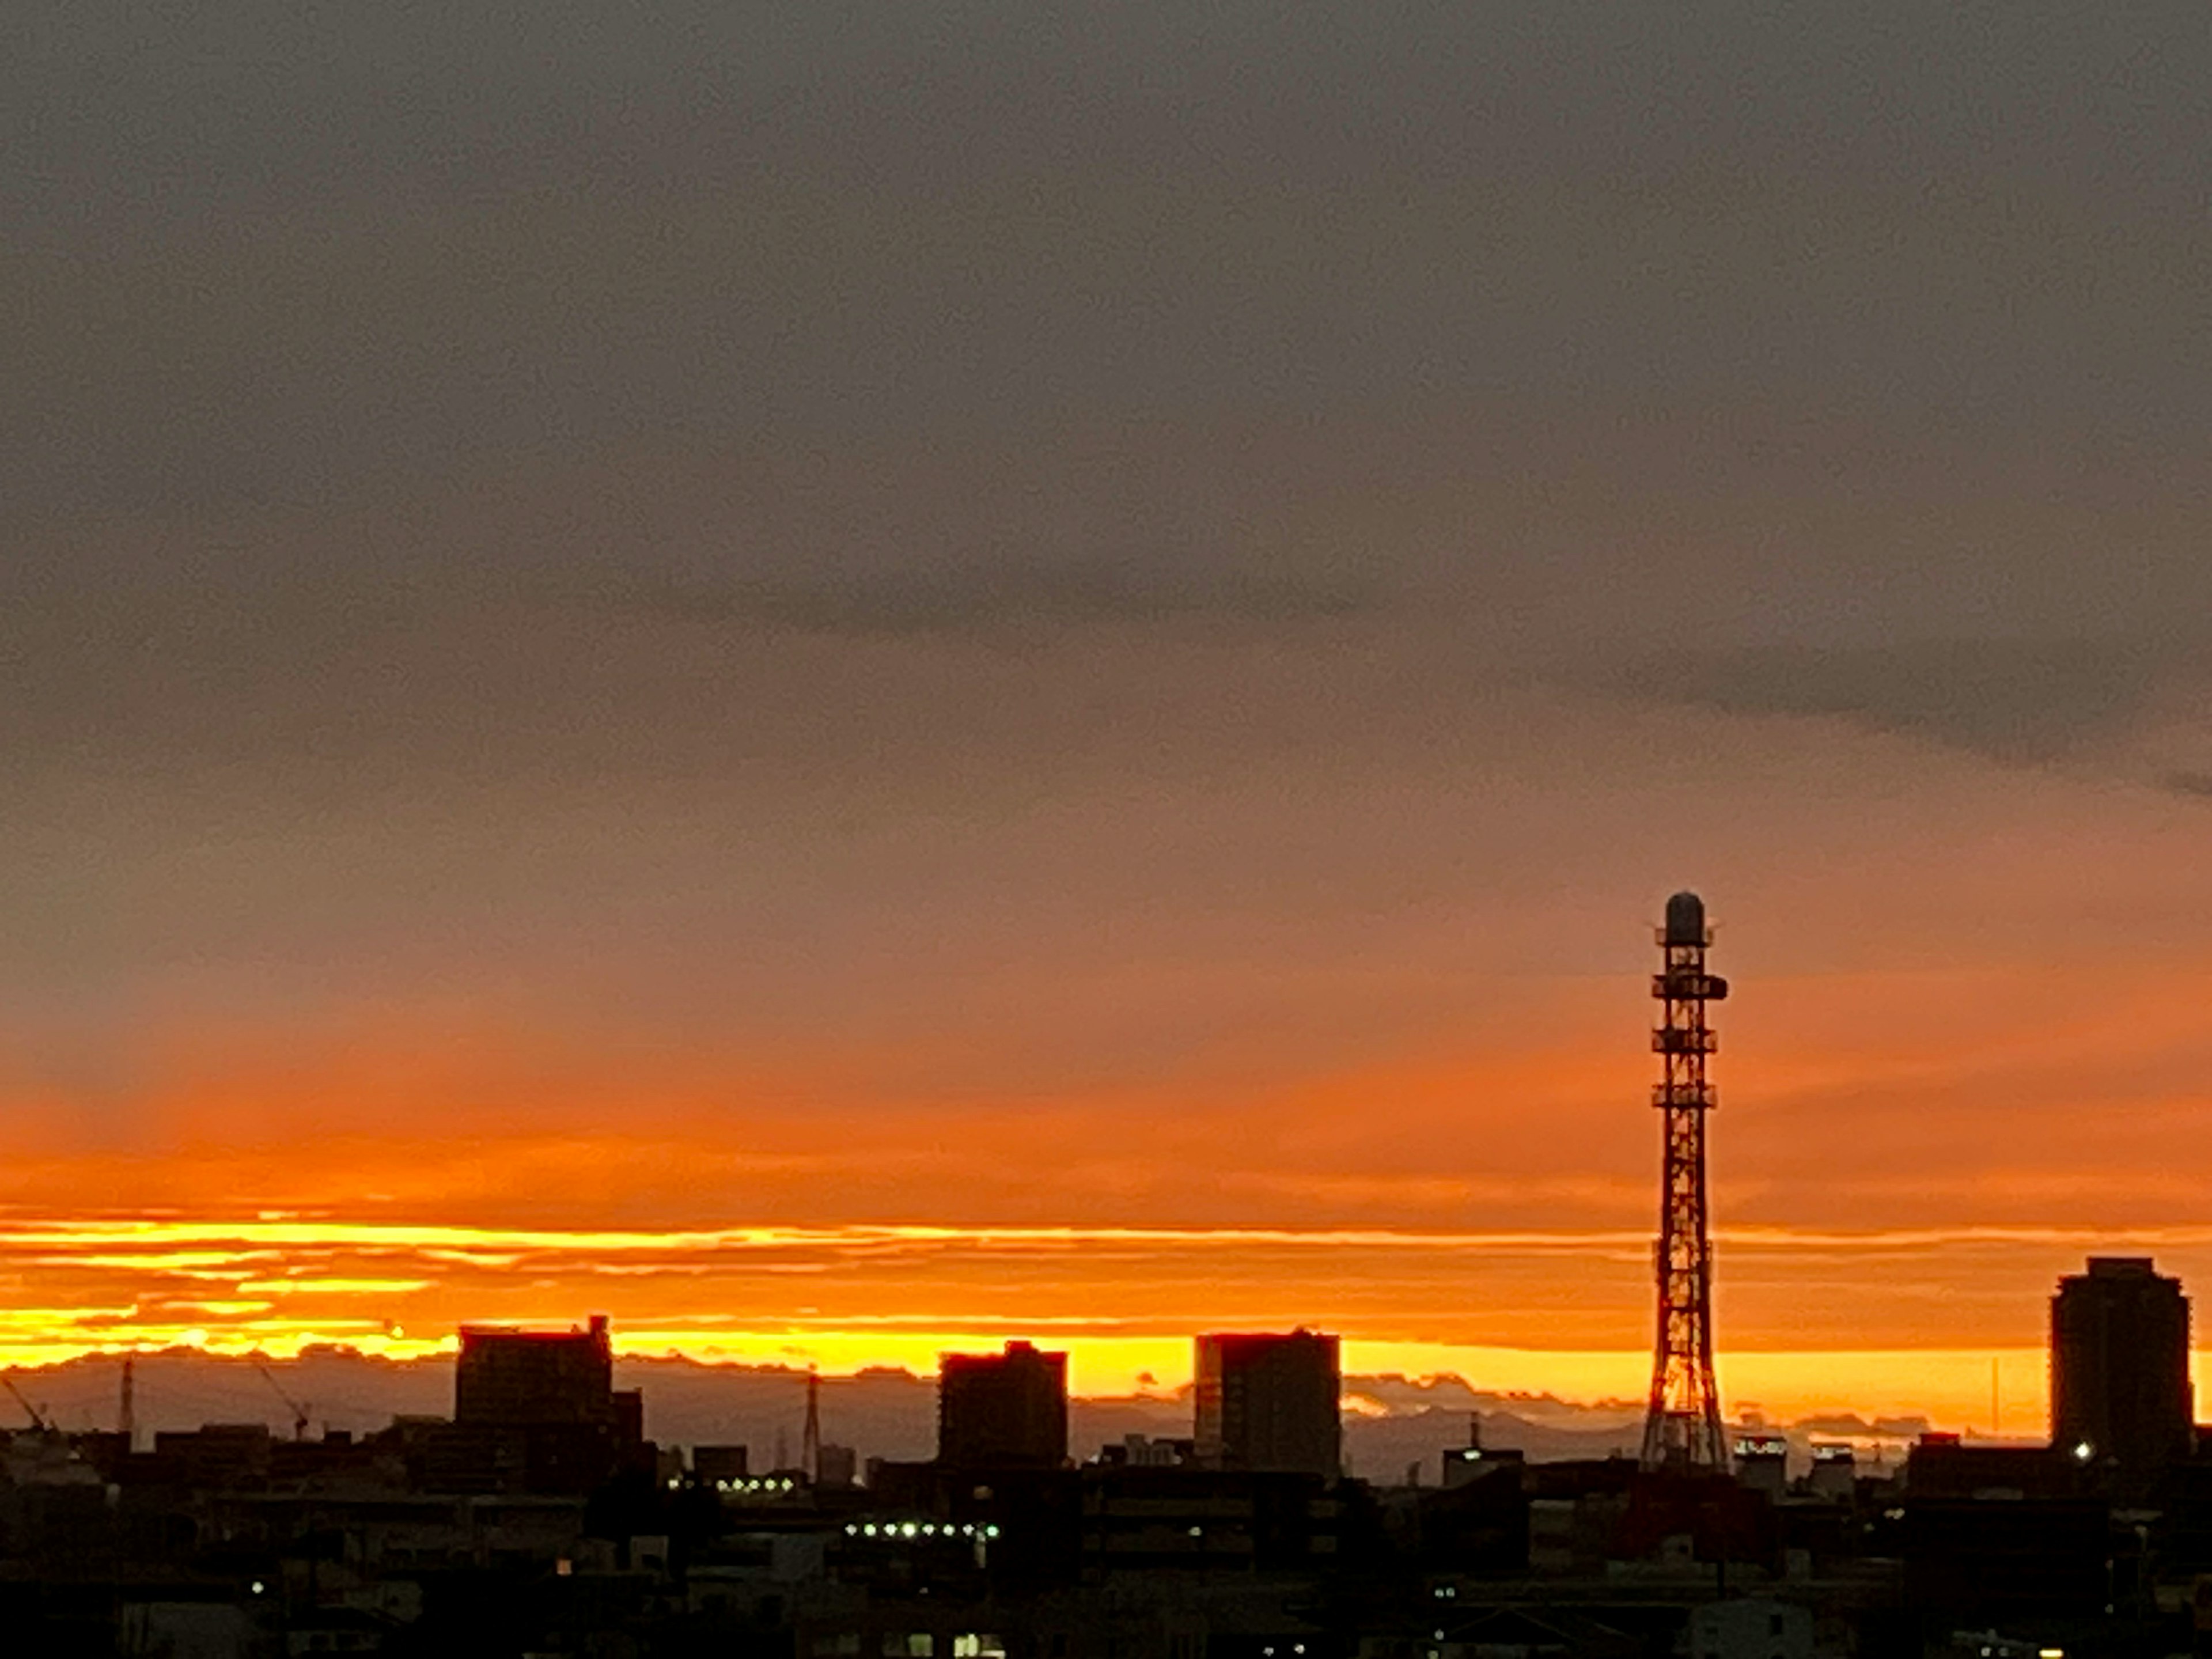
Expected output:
(1564, 1315)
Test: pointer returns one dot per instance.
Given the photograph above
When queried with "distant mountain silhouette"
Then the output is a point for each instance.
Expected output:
(1390, 1422)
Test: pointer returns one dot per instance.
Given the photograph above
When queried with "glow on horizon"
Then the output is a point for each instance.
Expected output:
(268, 1231)
(849, 1298)
(1948, 1388)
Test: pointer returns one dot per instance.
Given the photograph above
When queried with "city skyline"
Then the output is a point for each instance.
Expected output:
(846, 681)
(835, 831)
(2117, 1349)
(280, 1264)
(1950, 1386)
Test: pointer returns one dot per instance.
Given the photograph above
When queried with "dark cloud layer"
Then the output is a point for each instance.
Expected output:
(2025, 701)
(1015, 594)
(1862, 318)
(462, 450)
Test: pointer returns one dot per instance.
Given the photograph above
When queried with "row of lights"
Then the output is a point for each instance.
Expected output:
(917, 1529)
(762, 1485)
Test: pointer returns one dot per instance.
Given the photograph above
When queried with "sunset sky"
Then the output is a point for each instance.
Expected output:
(848, 678)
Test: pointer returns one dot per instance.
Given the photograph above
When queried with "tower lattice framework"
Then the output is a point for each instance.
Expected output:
(1682, 1426)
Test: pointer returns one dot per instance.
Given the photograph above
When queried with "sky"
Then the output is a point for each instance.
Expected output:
(849, 678)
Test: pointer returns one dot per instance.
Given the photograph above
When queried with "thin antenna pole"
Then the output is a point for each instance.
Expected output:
(810, 1445)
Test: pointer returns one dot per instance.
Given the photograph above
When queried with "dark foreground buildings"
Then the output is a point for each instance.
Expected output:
(533, 1411)
(537, 1521)
(2119, 1367)
(511, 1376)
(1269, 1403)
(1003, 1410)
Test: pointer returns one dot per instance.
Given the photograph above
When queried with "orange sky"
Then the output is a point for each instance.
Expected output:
(838, 683)
(1933, 1104)
(847, 1297)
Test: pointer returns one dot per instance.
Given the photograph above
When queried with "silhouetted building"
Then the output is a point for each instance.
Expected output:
(1943, 1466)
(523, 1378)
(1473, 1461)
(1478, 1520)
(837, 1467)
(537, 1410)
(1141, 1451)
(1003, 1410)
(1762, 1463)
(1835, 1470)
(2119, 1367)
(1205, 1521)
(217, 1454)
(711, 1465)
(1269, 1403)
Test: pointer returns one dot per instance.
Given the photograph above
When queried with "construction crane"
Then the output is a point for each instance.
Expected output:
(298, 1408)
(38, 1419)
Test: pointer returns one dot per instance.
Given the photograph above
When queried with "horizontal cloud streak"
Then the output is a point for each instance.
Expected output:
(1124, 1296)
(2015, 700)
(1011, 595)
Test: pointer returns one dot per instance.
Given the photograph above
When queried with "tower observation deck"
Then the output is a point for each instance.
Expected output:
(1682, 1425)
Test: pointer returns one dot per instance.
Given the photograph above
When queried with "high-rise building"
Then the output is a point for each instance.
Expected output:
(1002, 1410)
(528, 1378)
(538, 1410)
(1269, 1403)
(2119, 1366)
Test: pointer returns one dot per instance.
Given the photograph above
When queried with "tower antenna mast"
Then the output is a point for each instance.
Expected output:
(1682, 1425)
(810, 1445)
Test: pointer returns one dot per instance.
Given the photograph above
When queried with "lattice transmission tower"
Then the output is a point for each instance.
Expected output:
(1682, 1427)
